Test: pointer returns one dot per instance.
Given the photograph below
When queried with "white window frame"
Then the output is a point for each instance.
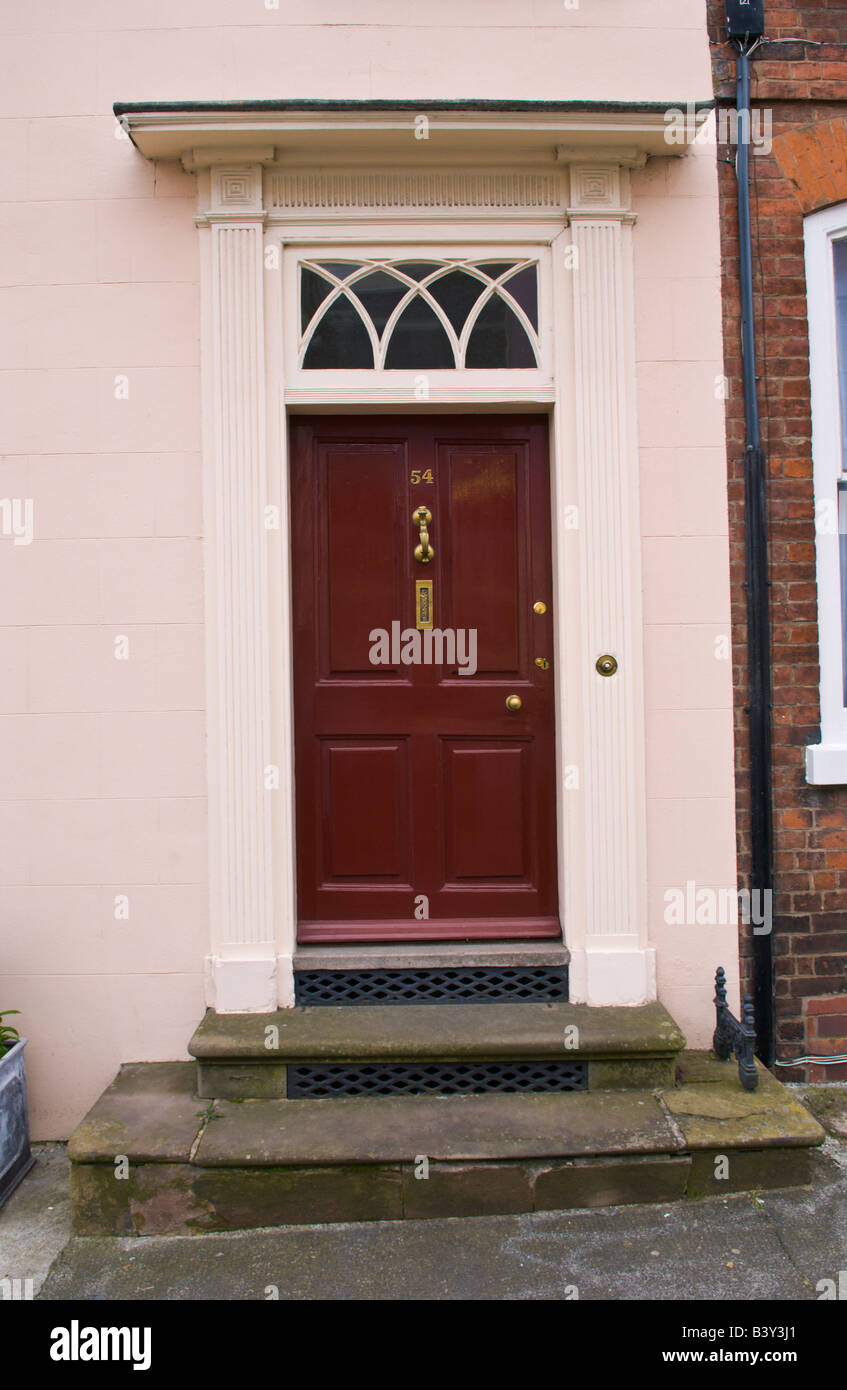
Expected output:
(380, 342)
(375, 383)
(826, 762)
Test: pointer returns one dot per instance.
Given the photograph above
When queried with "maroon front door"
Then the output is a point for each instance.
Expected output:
(426, 805)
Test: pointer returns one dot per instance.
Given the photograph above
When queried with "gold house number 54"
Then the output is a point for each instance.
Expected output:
(419, 477)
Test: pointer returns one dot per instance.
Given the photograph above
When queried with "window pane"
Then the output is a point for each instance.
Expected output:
(313, 291)
(457, 293)
(498, 339)
(523, 287)
(380, 293)
(341, 269)
(349, 326)
(416, 270)
(419, 340)
(495, 268)
(339, 340)
(839, 258)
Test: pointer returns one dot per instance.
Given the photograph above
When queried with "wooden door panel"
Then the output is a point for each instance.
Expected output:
(374, 775)
(362, 588)
(484, 571)
(484, 796)
(416, 780)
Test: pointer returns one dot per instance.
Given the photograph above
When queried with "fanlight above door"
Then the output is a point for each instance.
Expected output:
(418, 315)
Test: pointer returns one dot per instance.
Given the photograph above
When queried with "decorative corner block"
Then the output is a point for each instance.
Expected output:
(237, 189)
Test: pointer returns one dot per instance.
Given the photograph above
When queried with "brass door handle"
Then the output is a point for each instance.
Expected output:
(513, 702)
(422, 517)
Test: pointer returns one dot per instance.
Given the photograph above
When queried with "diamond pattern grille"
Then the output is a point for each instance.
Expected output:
(480, 985)
(441, 1078)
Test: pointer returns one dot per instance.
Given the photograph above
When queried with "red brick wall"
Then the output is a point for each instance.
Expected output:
(805, 88)
(826, 1030)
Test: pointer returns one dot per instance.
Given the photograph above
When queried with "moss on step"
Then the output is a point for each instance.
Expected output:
(437, 1031)
(630, 1074)
(828, 1104)
(719, 1113)
(272, 1162)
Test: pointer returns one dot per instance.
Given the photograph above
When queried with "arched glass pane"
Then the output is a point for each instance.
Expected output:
(457, 293)
(380, 293)
(419, 340)
(499, 339)
(339, 340)
(494, 268)
(524, 288)
(313, 291)
(340, 269)
(417, 270)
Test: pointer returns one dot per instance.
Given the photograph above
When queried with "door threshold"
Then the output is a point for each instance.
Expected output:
(434, 955)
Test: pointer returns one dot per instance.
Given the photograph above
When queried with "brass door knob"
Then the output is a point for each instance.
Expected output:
(513, 702)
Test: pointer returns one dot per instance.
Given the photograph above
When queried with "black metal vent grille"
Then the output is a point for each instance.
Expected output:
(471, 985)
(442, 1078)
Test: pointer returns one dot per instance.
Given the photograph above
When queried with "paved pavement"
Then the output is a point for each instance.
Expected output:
(35, 1223)
(774, 1245)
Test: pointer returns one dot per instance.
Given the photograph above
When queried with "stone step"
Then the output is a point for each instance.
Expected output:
(493, 973)
(224, 1165)
(246, 1056)
(431, 955)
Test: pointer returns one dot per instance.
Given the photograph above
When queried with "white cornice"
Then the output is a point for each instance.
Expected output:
(337, 136)
(628, 156)
(208, 156)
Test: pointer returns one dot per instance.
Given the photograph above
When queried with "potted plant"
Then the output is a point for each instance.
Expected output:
(15, 1157)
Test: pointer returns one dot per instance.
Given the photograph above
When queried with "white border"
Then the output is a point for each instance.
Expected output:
(826, 762)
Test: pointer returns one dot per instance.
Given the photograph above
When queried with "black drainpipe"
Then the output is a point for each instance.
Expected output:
(758, 599)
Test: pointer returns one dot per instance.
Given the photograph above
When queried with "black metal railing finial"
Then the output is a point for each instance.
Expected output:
(730, 1036)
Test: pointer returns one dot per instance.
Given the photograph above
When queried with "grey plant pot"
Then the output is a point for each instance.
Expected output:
(15, 1157)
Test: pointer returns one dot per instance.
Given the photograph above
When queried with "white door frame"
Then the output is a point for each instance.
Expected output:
(578, 214)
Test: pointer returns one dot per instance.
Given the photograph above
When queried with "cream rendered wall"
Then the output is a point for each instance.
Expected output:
(685, 557)
(102, 776)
